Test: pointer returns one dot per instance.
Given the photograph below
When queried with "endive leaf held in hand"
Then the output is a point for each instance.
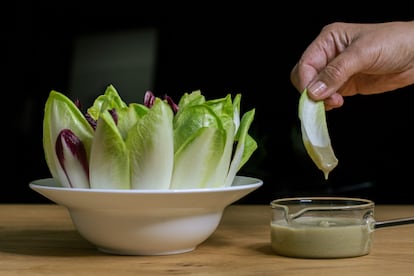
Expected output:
(315, 135)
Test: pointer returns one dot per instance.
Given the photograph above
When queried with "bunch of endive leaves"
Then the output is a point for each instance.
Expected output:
(196, 143)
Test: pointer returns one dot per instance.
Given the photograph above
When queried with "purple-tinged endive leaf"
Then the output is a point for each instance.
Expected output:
(72, 158)
(62, 113)
(149, 99)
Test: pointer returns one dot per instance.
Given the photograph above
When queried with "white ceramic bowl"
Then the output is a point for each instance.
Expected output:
(146, 222)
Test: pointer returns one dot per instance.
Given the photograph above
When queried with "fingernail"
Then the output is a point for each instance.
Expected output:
(317, 88)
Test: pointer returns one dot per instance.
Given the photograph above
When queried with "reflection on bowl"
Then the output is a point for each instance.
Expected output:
(146, 222)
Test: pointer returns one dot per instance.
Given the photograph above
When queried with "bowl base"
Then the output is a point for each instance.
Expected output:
(145, 253)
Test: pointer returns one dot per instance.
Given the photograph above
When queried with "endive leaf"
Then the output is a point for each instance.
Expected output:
(226, 111)
(109, 162)
(315, 133)
(246, 145)
(151, 147)
(72, 159)
(236, 110)
(200, 140)
(193, 98)
(61, 113)
(107, 101)
(222, 107)
(128, 117)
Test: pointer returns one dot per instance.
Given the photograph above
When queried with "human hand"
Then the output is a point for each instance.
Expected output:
(349, 58)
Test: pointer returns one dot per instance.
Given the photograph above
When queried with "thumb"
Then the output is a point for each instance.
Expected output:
(334, 75)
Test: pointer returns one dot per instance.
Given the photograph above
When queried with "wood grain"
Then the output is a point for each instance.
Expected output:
(41, 240)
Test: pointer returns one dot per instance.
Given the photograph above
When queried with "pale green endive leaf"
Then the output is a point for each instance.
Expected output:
(150, 142)
(110, 99)
(246, 145)
(109, 161)
(200, 141)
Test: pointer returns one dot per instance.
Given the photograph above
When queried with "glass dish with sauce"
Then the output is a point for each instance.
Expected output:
(322, 227)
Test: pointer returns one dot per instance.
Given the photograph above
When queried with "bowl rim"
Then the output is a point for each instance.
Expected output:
(239, 183)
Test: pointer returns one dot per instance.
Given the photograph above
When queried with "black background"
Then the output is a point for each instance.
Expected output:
(218, 49)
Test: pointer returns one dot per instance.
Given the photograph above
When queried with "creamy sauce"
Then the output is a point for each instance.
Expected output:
(323, 157)
(321, 238)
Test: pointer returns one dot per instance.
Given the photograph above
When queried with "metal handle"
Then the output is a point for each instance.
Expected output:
(394, 222)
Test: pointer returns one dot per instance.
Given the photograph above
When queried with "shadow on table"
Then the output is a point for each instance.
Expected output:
(46, 243)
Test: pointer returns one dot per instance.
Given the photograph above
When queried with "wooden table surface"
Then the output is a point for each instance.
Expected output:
(40, 239)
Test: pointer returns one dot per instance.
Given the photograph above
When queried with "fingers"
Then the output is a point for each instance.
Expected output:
(319, 68)
(301, 75)
(334, 101)
(337, 72)
(348, 59)
(329, 62)
(299, 78)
